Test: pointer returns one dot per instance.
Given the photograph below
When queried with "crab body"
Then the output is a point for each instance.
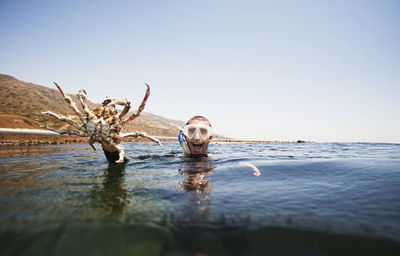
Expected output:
(103, 124)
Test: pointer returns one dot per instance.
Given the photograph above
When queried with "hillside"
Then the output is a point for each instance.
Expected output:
(16, 121)
(21, 104)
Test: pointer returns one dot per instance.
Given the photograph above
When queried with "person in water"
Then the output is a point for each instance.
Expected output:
(111, 153)
(195, 136)
(194, 139)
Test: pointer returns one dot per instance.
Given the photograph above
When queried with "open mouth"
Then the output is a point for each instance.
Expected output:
(197, 147)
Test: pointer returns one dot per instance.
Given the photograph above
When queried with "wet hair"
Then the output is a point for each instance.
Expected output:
(200, 118)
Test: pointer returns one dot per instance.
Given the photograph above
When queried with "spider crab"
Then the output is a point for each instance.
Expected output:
(103, 124)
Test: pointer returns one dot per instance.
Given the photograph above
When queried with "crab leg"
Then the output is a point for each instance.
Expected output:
(121, 102)
(140, 134)
(121, 154)
(63, 118)
(70, 102)
(141, 107)
(91, 143)
(83, 99)
(63, 131)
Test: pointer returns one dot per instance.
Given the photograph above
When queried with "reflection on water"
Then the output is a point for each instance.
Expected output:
(310, 199)
(111, 196)
(15, 178)
(10, 151)
(195, 173)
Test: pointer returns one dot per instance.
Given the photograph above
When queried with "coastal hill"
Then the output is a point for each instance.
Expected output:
(21, 104)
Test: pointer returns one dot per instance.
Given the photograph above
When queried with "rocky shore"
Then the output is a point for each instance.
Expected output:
(43, 139)
(38, 139)
(16, 139)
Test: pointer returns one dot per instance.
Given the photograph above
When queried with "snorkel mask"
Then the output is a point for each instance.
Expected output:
(196, 129)
(191, 131)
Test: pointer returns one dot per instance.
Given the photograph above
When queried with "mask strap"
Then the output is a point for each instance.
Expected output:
(183, 143)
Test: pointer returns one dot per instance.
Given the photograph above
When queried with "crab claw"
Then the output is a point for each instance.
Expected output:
(137, 112)
(106, 101)
(83, 94)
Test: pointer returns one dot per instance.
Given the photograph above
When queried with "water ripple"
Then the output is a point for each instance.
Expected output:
(340, 189)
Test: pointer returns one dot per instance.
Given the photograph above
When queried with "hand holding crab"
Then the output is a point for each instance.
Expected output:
(103, 124)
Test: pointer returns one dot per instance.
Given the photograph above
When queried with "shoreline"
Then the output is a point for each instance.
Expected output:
(24, 139)
(19, 139)
(14, 137)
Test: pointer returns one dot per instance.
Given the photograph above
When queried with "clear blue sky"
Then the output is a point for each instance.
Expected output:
(273, 70)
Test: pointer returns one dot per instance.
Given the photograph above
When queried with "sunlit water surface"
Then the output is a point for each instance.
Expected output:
(310, 199)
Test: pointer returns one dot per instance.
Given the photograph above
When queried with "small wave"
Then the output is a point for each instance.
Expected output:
(256, 171)
(153, 156)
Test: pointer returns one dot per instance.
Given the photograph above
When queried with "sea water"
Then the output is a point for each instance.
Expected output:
(244, 199)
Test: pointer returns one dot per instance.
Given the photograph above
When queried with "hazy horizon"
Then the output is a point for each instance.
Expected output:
(311, 70)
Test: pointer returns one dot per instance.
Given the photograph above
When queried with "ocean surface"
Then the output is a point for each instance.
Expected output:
(244, 199)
